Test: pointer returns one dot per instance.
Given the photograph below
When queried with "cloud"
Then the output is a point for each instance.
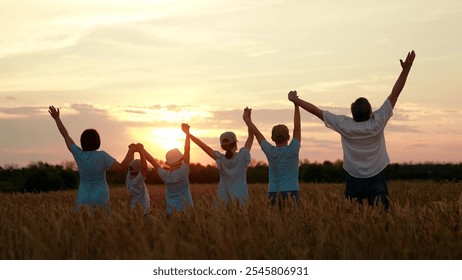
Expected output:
(147, 64)
(11, 116)
(20, 112)
(87, 109)
(51, 25)
(393, 127)
(9, 98)
(135, 111)
(24, 123)
(34, 137)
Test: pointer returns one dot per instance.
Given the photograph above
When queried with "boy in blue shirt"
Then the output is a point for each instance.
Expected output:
(283, 157)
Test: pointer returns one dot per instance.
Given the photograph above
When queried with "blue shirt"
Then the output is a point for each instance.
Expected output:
(233, 176)
(178, 193)
(92, 165)
(283, 166)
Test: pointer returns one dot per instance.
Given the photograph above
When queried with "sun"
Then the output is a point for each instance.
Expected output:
(167, 138)
(158, 141)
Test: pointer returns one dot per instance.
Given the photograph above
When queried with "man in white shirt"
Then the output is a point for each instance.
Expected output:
(364, 151)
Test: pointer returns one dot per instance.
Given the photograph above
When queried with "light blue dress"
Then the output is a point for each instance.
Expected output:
(93, 188)
(178, 193)
(283, 166)
(233, 176)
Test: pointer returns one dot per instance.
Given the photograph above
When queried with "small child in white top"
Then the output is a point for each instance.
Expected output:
(134, 181)
(176, 179)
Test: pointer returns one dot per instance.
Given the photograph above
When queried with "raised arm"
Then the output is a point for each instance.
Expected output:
(151, 160)
(253, 128)
(399, 84)
(209, 151)
(249, 141)
(306, 105)
(116, 166)
(187, 143)
(144, 164)
(297, 123)
(62, 129)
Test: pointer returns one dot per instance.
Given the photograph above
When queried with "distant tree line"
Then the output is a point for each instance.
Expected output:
(39, 177)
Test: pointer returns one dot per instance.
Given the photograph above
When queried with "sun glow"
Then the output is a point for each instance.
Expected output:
(167, 138)
(158, 141)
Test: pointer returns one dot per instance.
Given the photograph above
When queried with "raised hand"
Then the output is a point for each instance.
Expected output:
(185, 128)
(132, 148)
(53, 112)
(407, 63)
(292, 95)
(247, 113)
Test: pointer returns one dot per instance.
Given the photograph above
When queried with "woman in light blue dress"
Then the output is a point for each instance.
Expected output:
(92, 164)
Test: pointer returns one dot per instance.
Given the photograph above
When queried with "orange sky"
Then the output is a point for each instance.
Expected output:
(136, 71)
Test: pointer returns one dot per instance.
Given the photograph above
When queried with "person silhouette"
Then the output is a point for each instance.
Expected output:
(283, 159)
(364, 150)
(92, 164)
(232, 165)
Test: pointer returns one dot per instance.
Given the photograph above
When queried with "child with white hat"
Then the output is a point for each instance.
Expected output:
(176, 179)
(136, 187)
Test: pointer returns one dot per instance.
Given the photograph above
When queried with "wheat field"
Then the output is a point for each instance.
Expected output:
(423, 222)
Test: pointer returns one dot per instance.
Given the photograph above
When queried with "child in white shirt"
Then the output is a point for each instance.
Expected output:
(134, 181)
(176, 179)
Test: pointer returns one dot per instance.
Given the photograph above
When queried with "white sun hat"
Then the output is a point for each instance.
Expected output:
(173, 156)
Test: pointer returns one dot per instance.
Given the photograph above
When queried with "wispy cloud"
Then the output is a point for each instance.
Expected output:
(9, 98)
(20, 112)
(129, 68)
(37, 32)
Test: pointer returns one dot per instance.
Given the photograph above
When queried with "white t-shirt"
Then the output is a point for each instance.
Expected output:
(282, 165)
(233, 176)
(178, 193)
(138, 192)
(364, 150)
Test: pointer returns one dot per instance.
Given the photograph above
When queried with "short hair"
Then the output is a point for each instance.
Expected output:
(90, 140)
(361, 109)
(280, 134)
